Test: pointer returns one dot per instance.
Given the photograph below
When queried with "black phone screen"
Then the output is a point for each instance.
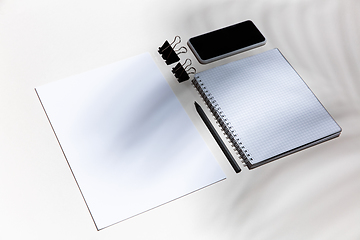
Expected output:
(226, 40)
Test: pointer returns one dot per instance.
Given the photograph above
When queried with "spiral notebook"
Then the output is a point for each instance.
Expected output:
(264, 107)
(128, 141)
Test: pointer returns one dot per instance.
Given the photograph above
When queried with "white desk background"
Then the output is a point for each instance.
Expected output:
(313, 194)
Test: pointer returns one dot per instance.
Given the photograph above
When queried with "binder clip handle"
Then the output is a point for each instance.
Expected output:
(181, 72)
(168, 45)
(168, 52)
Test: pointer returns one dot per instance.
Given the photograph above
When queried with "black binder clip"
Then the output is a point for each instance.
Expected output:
(168, 52)
(181, 72)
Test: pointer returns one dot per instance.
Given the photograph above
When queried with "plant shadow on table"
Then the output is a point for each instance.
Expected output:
(320, 40)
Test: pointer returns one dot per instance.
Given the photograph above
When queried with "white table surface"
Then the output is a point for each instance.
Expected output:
(313, 194)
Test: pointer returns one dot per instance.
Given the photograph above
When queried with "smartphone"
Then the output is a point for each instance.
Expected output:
(226, 41)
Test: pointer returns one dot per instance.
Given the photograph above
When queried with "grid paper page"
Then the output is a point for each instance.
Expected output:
(268, 104)
(129, 143)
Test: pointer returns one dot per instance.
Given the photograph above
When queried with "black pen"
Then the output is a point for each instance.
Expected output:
(217, 138)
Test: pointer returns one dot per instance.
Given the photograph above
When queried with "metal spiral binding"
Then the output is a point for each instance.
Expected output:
(223, 122)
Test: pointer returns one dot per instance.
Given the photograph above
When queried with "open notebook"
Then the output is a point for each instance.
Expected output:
(264, 107)
(128, 141)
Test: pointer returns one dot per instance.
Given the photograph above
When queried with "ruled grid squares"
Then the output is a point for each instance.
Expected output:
(270, 107)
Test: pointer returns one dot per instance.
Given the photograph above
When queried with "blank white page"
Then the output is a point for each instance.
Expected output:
(128, 141)
(270, 107)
